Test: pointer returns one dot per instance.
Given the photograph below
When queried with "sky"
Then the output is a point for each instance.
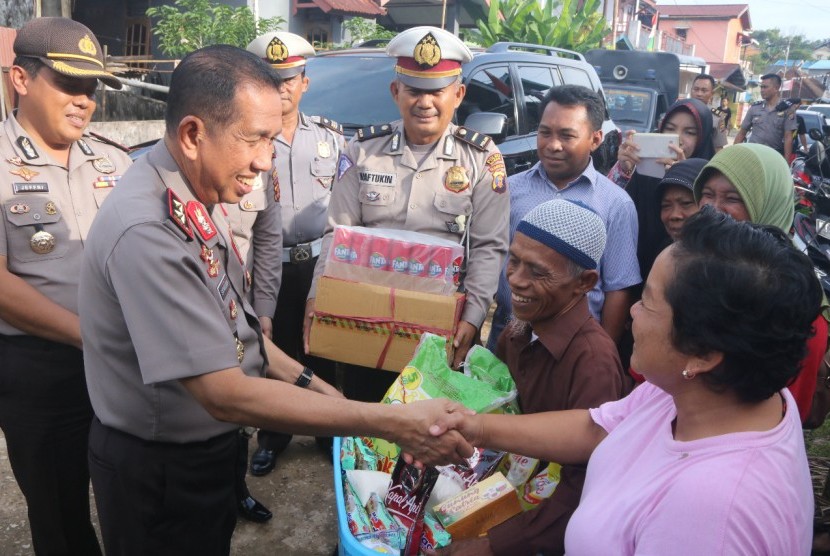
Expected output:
(810, 18)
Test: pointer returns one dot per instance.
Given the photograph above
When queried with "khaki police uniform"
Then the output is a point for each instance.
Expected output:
(303, 174)
(768, 125)
(164, 295)
(47, 210)
(459, 188)
(719, 133)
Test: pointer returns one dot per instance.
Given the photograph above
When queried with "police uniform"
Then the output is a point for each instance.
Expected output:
(719, 133)
(768, 125)
(46, 210)
(302, 175)
(164, 294)
(457, 188)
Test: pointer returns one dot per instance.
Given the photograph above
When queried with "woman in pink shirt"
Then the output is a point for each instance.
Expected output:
(707, 456)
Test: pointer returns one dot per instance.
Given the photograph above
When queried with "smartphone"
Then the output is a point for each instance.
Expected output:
(656, 145)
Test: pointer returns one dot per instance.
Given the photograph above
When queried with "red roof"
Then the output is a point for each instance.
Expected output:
(692, 10)
(363, 7)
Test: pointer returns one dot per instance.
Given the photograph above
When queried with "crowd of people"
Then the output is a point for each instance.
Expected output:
(663, 333)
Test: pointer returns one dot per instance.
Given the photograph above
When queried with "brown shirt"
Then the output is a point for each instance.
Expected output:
(59, 203)
(573, 364)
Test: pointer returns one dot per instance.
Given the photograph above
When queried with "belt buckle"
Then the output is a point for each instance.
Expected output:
(299, 253)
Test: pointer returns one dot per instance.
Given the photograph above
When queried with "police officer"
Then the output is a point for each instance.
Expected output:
(55, 177)
(703, 89)
(257, 231)
(769, 126)
(423, 173)
(307, 150)
(173, 350)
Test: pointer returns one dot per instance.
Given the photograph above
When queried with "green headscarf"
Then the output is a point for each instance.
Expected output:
(762, 178)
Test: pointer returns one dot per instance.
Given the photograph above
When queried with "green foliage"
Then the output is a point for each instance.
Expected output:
(191, 24)
(361, 30)
(577, 27)
(773, 46)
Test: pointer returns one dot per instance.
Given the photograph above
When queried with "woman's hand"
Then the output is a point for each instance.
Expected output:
(628, 153)
(669, 162)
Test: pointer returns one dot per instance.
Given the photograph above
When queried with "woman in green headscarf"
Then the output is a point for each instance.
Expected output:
(752, 182)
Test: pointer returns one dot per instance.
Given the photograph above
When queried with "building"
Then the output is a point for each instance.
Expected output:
(720, 33)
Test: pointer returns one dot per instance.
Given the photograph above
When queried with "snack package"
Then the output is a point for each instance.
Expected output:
(435, 536)
(480, 465)
(540, 486)
(356, 516)
(365, 455)
(382, 542)
(406, 500)
(379, 516)
(365, 483)
(487, 388)
(482, 506)
(395, 258)
(348, 458)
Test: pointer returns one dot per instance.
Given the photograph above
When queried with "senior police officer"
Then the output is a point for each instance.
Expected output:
(54, 179)
(307, 150)
(770, 126)
(423, 173)
(173, 350)
(256, 226)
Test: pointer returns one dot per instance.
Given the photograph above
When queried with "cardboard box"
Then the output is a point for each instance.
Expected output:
(376, 326)
(484, 505)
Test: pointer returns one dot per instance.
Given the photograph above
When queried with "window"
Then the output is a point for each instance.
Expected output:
(318, 36)
(681, 33)
(536, 82)
(137, 37)
(575, 76)
(490, 90)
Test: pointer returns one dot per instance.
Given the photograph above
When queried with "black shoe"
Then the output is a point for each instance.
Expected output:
(263, 461)
(252, 510)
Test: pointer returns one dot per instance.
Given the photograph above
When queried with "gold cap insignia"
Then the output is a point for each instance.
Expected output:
(427, 52)
(276, 52)
(87, 46)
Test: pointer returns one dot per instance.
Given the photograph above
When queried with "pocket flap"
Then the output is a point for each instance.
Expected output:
(453, 203)
(30, 211)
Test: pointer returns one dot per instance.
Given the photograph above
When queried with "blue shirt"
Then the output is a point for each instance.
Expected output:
(618, 267)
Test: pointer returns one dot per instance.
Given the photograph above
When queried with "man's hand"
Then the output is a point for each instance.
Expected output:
(309, 314)
(463, 341)
(469, 547)
(628, 153)
(417, 427)
(267, 327)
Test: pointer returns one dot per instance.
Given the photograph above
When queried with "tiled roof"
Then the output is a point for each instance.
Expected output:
(690, 10)
(363, 7)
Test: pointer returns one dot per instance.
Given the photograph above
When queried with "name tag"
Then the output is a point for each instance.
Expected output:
(377, 178)
(223, 287)
(30, 188)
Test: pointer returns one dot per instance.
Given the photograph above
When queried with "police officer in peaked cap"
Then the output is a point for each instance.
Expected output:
(54, 178)
(424, 173)
(307, 150)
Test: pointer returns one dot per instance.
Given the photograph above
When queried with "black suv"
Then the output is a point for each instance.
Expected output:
(505, 86)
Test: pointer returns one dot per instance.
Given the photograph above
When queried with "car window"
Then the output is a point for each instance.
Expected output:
(490, 89)
(536, 81)
(366, 99)
(576, 76)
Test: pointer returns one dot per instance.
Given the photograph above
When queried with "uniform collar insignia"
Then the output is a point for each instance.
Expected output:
(200, 220)
(85, 147)
(27, 147)
(177, 213)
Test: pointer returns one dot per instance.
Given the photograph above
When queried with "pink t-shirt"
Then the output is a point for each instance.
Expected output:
(646, 493)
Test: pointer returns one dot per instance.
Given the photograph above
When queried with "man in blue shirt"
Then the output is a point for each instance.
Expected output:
(569, 131)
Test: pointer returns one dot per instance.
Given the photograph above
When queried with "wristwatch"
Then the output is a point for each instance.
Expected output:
(305, 378)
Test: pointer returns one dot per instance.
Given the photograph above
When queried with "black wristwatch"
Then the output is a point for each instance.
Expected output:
(305, 378)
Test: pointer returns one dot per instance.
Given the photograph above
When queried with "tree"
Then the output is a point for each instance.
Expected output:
(191, 24)
(578, 26)
(361, 30)
(774, 46)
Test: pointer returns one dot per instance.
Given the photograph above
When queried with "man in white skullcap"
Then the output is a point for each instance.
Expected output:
(424, 173)
(559, 356)
(307, 150)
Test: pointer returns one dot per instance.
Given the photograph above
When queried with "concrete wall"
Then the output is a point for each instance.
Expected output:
(129, 133)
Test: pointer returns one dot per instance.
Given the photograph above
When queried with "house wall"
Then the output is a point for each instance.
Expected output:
(711, 38)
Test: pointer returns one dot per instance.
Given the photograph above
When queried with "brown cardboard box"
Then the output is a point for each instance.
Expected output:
(377, 326)
(484, 505)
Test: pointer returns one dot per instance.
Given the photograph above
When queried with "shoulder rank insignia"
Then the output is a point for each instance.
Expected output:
(373, 131)
(327, 123)
(474, 138)
(85, 148)
(26, 146)
(757, 103)
(198, 215)
(177, 214)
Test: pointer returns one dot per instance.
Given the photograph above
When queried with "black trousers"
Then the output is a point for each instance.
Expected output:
(162, 498)
(45, 415)
(288, 335)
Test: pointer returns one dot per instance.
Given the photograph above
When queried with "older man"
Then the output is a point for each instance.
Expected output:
(425, 174)
(559, 356)
(54, 179)
(569, 131)
(174, 355)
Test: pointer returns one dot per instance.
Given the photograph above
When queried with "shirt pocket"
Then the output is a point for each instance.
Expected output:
(449, 210)
(25, 216)
(322, 177)
(376, 195)
(101, 195)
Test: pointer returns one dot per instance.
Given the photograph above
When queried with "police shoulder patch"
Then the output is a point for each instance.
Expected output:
(757, 103)
(373, 131)
(327, 123)
(472, 137)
